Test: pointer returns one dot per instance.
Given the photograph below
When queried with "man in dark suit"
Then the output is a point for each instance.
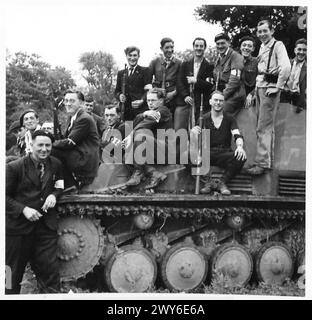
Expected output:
(79, 150)
(145, 131)
(137, 78)
(99, 121)
(33, 184)
(228, 74)
(197, 73)
(295, 89)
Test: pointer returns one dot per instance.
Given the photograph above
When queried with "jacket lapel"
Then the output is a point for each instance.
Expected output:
(201, 68)
(303, 72)
(31, 172)
(46, 176)
(226, 57)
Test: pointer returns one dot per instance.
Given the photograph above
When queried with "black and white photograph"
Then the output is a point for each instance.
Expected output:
(154, 148)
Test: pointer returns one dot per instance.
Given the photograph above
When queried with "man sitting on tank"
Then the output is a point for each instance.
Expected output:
(145, 126)
(223, 127)
(114, 131)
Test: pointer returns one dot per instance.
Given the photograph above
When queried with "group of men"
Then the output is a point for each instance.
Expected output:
(166, 95)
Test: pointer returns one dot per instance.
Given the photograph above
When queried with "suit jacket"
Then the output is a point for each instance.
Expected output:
(81, 146)
(232, 86)
(302, 100)
(99, 121)
(202, 86)
(24, 188)
(134, 90)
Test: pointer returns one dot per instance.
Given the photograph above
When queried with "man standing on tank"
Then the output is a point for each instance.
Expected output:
(166, 68)
(228, 74)
(137, 78)
(273, 72)
(196, 72)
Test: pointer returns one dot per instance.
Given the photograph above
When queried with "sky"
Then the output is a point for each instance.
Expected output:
(60, 31)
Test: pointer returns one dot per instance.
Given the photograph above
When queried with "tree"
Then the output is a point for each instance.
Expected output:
(242, 20)
(32, 83)
(99, 71)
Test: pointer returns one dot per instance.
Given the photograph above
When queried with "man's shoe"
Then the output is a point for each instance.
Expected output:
(298, 109)
(156, 178)
(255, 171)
(135, 179)
(224, 190)
(206, 189)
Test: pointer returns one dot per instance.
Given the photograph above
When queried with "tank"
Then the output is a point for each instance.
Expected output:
(136, 240)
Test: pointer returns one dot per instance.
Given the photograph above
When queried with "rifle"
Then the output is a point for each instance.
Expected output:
(57, 127)
(123, 91)
(192, 113)
(199, 155)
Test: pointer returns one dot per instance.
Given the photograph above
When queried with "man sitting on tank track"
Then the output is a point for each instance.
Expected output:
(222, 127)
(145, 126)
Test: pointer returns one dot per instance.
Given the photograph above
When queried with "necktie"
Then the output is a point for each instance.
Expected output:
(131, 71)
(41, 168)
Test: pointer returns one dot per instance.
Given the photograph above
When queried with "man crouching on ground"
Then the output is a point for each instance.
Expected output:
(33, 184)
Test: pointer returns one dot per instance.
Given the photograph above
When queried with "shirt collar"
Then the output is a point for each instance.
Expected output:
(36, 162)
(73, 118)
(269, 44)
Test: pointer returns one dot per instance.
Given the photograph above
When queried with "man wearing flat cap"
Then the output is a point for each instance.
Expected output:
(228, 74)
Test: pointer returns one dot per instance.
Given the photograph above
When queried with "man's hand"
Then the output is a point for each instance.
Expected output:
(31, 214)
(126, 143)
(188, 100)
(122, 98)
(270, 91)
(191, 79)
(249, 100)
(240, 153)
(153, 114)
(49, 202)
(196, 130)
(136, 103)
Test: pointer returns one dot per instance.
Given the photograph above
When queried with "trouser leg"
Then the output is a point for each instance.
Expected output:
(266, 113)
(181, 117)
(226, 160)
(17, 253)
(44, 261)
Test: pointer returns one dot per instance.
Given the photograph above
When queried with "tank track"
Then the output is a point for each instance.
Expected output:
(205, 228)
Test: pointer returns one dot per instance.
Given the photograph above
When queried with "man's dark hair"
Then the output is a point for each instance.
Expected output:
(132, 48)
(113, 106)
(216, 92)
(79, 94)
(21, 119)
(165, 40)
(158, 91)
(220, 36)
(247, 38)
(264, 20)
(201, 39)
(42, 133)
(301, 41)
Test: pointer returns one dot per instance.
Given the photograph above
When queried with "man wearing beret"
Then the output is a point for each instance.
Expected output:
(33, 184)
(227, 74)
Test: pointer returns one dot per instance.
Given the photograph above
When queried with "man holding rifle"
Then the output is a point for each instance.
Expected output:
(223, 127)
(195, 75)
(165, 70)
(136, 78)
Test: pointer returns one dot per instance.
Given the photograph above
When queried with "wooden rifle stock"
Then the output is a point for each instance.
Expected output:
(57, 127)
(123, 91)
(199, 155)
(192, 113)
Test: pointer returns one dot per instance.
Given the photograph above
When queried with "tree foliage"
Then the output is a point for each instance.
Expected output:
(99, 70)
(241, 20)
(32, 83)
